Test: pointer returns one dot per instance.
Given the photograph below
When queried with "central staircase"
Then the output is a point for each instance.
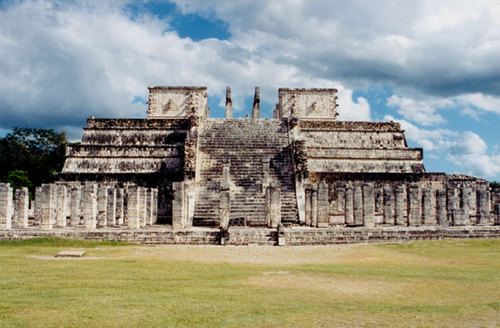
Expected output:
(248, 149)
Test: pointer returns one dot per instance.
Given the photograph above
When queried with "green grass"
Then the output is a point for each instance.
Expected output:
(448, 283)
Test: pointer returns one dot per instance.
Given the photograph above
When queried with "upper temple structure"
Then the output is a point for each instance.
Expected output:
(302, 177)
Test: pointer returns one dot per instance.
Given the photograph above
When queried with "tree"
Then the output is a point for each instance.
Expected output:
(31, 156)
(494, 185)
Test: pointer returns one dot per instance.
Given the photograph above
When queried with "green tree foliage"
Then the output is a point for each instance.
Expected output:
(494, 185)
(30, 157)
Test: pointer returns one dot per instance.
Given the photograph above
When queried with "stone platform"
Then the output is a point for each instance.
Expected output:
(294, 236)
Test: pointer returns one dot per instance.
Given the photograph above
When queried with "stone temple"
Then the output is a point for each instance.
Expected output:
(302, 177)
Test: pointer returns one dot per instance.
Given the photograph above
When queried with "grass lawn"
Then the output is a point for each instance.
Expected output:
(447, 283)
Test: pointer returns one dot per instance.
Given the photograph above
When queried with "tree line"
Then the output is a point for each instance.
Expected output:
(30, 156)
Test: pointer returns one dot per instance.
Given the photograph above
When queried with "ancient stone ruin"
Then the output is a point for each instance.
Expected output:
(302, 177)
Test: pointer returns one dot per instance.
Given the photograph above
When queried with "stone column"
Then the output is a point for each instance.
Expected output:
(379, 200)
(442, 215)
(415, 210)
(178, 205)
(496, 221)
(37, 213)
(307, 205)
(89, 205)
(149, 207)
(61, 206)
(340, 200)
(6, 206)
(323, 210)
(349, 206)
(225, 205)
(256, 104)
(314, 206)
(133, 206)
(21, 202)
(358, 205)
(466, 204)
(229, 103)
(102, 207)
(451, 203)
(484, 207)
(275, 204)
(47, 206)
(120, 213)
(399, 205)
(75, 198)
(368, 205)
(142, 207)
(429, 207)
(388, 212)
(111, 207)
(154, 205)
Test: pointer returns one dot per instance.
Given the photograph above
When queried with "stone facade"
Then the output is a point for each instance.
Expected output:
(302, 169)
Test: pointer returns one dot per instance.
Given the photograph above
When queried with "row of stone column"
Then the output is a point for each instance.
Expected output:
(88, 205)
(408, 205)
(14, 207)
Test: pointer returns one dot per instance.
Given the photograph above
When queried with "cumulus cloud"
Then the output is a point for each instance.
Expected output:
(440, 48)
(466, 149)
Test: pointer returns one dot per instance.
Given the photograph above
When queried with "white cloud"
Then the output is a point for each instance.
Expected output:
(420, 112)
(465, 149)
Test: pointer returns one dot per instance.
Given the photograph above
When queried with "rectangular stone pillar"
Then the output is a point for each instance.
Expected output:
(415, 204)
(89, 205)
(399, 205)
(37, 213)
(275, 204)
(154, 205)
(61, 205)
(451, 202)
(358, 205)
(442, 214)
(225, 205)
(496, 221)
(340, 200)
(133, 207)
(379, 200)
(314, 206)
(21, 206)
(458, 217)
(368, 205)
(466, 204)
(102, 206)
(120, 211)
(388, 212)
(483, 207)
(6, 206)
(47, 206)
(429, 207)
(323, 210)
(349, 206)
(307, 205)
(75, 199)
(142, 206)
(111, 207)
(149, 208)
(178, 207)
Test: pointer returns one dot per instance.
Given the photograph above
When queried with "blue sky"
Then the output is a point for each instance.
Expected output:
(433, 66)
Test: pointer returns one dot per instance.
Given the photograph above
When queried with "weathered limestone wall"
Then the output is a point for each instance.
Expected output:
(167, 102)
(358, 147)
(307, 103)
